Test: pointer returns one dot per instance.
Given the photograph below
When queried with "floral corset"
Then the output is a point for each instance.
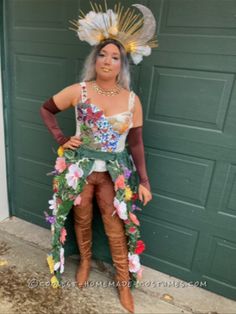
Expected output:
(100, 132)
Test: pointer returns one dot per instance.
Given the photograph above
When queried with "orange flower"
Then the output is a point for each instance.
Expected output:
(120, 182)
(134, 219)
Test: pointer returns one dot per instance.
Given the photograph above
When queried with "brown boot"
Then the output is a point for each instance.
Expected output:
(114, 229)
(83, 231)
(84, 240)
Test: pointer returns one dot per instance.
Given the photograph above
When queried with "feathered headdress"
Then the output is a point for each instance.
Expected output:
(134, 32)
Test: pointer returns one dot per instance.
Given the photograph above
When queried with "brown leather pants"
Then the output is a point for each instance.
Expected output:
(100, 184)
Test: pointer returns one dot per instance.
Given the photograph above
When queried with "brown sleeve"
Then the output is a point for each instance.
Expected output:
(135, 142)
(48, 111)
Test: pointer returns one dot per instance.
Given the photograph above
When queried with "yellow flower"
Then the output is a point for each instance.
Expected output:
(128, 193)
(54, 282)
(50, 263)
(60, 151)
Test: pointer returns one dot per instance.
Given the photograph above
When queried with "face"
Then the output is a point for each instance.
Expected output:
(108, 62)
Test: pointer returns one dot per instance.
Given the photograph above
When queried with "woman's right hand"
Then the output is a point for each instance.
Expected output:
(73, 143)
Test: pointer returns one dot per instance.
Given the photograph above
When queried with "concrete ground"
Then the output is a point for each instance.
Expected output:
(24, 280)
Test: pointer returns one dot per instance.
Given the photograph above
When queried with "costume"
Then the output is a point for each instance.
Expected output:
(102, 158)
(104, 140)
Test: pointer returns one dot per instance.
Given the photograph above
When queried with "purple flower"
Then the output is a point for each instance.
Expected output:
(127, 173)
(50, 219)
(134, 207)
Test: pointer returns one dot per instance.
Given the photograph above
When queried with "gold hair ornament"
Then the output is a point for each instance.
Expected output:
(135, 32)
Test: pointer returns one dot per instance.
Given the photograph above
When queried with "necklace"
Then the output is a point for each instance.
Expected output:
(106, 92)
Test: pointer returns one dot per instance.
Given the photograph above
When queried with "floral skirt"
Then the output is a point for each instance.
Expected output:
(71, 170)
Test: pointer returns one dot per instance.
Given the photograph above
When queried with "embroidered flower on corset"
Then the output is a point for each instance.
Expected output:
(95, 130)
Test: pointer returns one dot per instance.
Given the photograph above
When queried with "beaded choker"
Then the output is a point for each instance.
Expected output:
(106, 92)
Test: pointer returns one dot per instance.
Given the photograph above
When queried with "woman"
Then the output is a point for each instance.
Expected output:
(95, 162)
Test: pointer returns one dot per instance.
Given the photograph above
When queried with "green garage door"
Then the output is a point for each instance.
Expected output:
(188, 90)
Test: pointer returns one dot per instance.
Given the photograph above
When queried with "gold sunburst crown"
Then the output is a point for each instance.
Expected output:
(135, 32)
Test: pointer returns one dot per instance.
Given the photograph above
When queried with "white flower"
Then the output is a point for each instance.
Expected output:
(56, 266)
(121, 209)
(96, 26)
(53, 204)
(73, 175)
(140, 51)
(134, 263)
(62, 260)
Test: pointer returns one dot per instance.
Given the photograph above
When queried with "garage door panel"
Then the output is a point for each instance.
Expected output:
(181, 177)
(27, 168)
(190, 97)
(202, 30)
(31, 194)
(43, 21)
(42, 75)
(50, 50)
(198, 17)
(35, 141)
(199, 108)
(159, 134)
(183, 60)
(222, 255)
(162, 238)
(228, 204)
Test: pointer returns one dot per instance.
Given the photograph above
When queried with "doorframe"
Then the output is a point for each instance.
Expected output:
(4, 129)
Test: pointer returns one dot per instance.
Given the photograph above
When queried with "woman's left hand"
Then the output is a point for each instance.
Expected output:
(144, 194)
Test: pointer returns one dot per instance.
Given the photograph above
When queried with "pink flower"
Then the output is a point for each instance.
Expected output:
(134, 219)
(77, 201)
(63, 235)
(140, 273)
(121, 209)
(73, 175)
(127, 221)
(60, 164)
(132, 229)
(134, 263)
(120, 182)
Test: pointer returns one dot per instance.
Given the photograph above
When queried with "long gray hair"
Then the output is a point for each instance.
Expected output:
(89, 72)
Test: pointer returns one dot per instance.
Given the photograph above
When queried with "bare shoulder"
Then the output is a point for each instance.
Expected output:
(68, 96)
(137, 100)
(138, 112)
(137, 103)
